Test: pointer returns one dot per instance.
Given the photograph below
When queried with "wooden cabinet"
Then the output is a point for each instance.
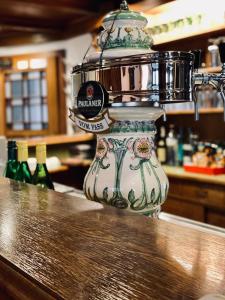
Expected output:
(215, 218)
(199, 201)
(184, 209)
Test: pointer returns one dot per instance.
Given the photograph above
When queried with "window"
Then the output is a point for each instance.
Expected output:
(32, 99)
(26, 100)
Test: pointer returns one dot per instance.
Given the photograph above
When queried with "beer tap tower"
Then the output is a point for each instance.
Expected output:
(119, 93)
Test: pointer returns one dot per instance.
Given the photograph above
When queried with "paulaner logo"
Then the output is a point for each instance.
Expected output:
(90, 92)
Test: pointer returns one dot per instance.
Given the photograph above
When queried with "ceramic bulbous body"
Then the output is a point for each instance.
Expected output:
(125, 172)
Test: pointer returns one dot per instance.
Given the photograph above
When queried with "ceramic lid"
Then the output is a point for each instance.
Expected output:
(125, 17)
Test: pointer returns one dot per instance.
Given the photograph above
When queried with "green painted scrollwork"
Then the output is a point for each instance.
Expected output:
(119, 149)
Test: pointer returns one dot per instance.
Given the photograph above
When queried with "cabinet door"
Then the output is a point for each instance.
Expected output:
(184, 209)
(216, 218)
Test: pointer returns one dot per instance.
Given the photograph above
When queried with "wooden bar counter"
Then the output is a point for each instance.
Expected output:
(54, 246)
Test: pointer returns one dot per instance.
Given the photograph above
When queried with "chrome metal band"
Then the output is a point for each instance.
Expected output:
(140, 80)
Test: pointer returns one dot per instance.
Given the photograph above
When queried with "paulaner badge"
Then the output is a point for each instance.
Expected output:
(91, 112)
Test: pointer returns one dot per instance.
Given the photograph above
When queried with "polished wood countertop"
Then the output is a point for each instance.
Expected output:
(179, 172)
(54, 246)
(61, 139)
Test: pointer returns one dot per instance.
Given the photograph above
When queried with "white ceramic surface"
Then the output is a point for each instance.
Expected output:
(125, 172)
(116, 53)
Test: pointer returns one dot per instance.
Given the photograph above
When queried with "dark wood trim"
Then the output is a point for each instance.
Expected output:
(62, 106)
(15, 285)
(51, 74)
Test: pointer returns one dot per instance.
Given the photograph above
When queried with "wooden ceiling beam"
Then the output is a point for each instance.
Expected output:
(27, 29)
(89, 25)
(30, 22)
(21, 39)
(64, 7)
(36, 21)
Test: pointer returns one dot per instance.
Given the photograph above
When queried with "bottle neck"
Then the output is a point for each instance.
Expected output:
(12, 153)
(22, 154)
(162, 133)
(41, 157)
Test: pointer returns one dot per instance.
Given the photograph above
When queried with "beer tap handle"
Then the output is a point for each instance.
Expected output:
(222, 82)
(197, 64)
(197, 58)
(196, 103)
(164, 114)
(222, 94)
(222, 56)
(222, 52)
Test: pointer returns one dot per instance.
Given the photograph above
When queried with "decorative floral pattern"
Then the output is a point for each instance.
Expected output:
(143, 148)
(132, 154)
(126, 37)
(102, 148)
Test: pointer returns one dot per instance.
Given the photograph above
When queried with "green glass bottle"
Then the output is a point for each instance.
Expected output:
(41, 176)
(12, 163)
(23, 174)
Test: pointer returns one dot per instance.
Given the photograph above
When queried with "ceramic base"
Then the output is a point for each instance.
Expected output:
(125, 172)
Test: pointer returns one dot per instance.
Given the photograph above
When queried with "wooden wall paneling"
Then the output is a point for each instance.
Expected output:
(52, 95)
(62, 108)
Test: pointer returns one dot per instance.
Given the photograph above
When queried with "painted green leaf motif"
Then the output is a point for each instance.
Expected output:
(153, 195)
(105, 193)
(89, 193)
(166, 190)
(131, 196)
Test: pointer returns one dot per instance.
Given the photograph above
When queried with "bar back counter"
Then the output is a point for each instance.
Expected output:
(54, 246)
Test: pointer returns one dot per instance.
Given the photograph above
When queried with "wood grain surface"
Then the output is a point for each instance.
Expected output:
(71, 248)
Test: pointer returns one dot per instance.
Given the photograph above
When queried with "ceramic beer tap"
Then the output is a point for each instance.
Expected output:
(118, 94)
